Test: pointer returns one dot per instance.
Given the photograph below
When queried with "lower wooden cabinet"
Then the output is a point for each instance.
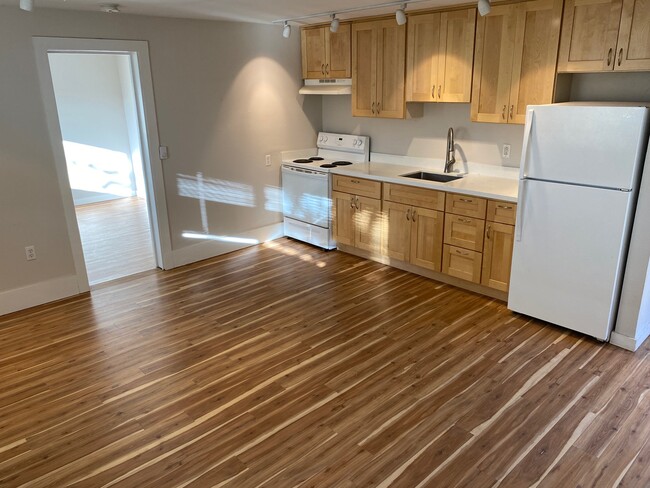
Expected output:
(357, 221)
(462, 263)
(413, 234)
(497, 255)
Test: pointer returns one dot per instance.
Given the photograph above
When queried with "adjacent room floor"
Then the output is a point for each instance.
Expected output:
(282, 365)
(116, 238)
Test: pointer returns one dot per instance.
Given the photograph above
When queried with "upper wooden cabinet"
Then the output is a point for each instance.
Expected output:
(326, 54)
(605, 35)
(378, 61)
(515, 60)
(440, 51)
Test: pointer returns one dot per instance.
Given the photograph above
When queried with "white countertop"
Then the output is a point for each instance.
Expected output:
(475, 184)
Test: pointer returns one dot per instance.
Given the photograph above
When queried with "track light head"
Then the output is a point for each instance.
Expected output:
(27, 5)
(286, 30)
(400, 15)
(334, 25)
(484, 7)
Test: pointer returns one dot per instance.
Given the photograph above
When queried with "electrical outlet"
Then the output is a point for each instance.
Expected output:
(506, 151)
(268, 160)
(30, 253)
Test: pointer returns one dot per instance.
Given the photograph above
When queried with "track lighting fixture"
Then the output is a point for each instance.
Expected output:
(334, 25)
(286, 30)
(400, 15)
(484, 7)
(27, 5)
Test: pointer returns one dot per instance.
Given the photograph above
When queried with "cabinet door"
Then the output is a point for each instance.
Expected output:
(423, 46)
(338, 63)
(633, 48)
(313, 52)
(456, 55)
(343, 207)
(391, 63)
(497, 255)
(495, 39)
(368, 224)
(589, 34)
(364, 68)
(535, 58)
(397, 231)
(426, 238)
(464, 232)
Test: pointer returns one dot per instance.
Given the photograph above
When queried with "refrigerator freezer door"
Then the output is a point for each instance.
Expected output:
(568, 264)
(600, 146)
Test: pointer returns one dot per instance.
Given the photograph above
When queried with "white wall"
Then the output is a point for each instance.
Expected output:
(91, 107)
(226, 94)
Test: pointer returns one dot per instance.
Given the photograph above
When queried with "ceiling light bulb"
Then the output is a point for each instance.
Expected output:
(286, 31)
(27, 5)
(400, 15)
(484, 7)
(334, 26)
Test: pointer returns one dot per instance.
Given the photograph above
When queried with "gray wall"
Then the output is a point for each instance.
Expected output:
(226, 95)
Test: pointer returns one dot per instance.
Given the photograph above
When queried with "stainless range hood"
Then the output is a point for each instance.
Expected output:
(327, 87)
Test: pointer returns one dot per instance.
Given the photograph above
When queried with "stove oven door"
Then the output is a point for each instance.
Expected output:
(305, 195)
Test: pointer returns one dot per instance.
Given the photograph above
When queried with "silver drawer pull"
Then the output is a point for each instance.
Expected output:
(466, 200)
(355, 181)
(408, 214)
(466, 221)
(462, 253)
(505, 207)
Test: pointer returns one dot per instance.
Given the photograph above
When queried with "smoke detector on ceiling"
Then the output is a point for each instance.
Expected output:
(110, 8)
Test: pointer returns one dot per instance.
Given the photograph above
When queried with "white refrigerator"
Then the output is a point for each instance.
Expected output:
(579, 177)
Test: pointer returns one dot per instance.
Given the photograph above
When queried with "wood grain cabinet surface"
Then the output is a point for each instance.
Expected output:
(515, 60)
(378, 64)
(605, 35)
(356, 218)
(440, 53)
(326, 54)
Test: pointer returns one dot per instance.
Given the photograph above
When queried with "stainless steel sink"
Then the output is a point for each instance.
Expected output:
(423, 175)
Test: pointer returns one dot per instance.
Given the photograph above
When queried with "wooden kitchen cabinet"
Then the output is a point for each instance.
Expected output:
(326, 54)
(440, 52)
(497, 255)
(462, 263)
(413, 234)
(378, 62)
(515, 60)
(464, 232)
(357, 219)
(605, 35)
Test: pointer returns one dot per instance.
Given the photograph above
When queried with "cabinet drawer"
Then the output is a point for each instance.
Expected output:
(465, 232)
(357, 186)
(462, 263)
(413, 195)
(466, 205)
(502, 212)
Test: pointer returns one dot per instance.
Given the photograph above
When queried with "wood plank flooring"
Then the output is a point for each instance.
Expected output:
(282, 366)
(116, 238)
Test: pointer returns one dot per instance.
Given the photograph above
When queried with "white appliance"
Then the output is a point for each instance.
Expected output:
(580, 171)
(307, 183)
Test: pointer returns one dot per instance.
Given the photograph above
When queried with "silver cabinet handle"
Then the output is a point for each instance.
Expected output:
(378, 108)
(433, 92)
(373, 108)
(462, 253)
(466, 200)
(322, 69)
(505, 207)
(355, 181)
(488, 231)
(609, 56)
(465, 221)
(414, 215)
(439, 91)
(357, 199)
(620, 57)
(512, 111)
(408, 214)
(351, 201)
(503, 112)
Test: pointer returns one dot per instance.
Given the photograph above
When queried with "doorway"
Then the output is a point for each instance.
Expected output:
(98, 97)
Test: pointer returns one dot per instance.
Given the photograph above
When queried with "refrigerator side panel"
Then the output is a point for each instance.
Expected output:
(569, 254)
(588, 145)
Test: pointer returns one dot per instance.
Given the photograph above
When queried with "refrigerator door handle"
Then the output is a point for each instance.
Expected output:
(521, 202)
(530, 116)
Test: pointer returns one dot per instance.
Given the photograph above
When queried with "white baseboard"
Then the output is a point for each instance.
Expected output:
(211, 246)
(38, 294)
(620, 340)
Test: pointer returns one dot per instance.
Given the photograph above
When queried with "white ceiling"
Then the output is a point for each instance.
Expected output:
(261, 11)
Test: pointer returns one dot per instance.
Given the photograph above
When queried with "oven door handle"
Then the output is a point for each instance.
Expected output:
(304, 172)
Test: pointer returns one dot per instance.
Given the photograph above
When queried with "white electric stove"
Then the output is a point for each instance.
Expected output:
(307, 184)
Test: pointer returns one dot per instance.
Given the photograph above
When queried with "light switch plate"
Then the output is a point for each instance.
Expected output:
(163, 152)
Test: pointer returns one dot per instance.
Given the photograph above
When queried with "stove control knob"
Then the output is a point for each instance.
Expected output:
(324, 139)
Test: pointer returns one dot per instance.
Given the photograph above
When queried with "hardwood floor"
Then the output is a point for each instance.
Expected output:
(282, 365)
(116, 238)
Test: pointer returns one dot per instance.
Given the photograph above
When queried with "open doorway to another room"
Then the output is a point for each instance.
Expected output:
(98, 115)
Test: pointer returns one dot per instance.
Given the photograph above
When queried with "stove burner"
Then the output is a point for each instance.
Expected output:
(327, 165)
(316, 158)
(302, 160)
(341, 163)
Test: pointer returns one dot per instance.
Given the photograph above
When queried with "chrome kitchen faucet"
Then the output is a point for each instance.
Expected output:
(450, 157)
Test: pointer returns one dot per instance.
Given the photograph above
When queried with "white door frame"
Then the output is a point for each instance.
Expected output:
(138, 51)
